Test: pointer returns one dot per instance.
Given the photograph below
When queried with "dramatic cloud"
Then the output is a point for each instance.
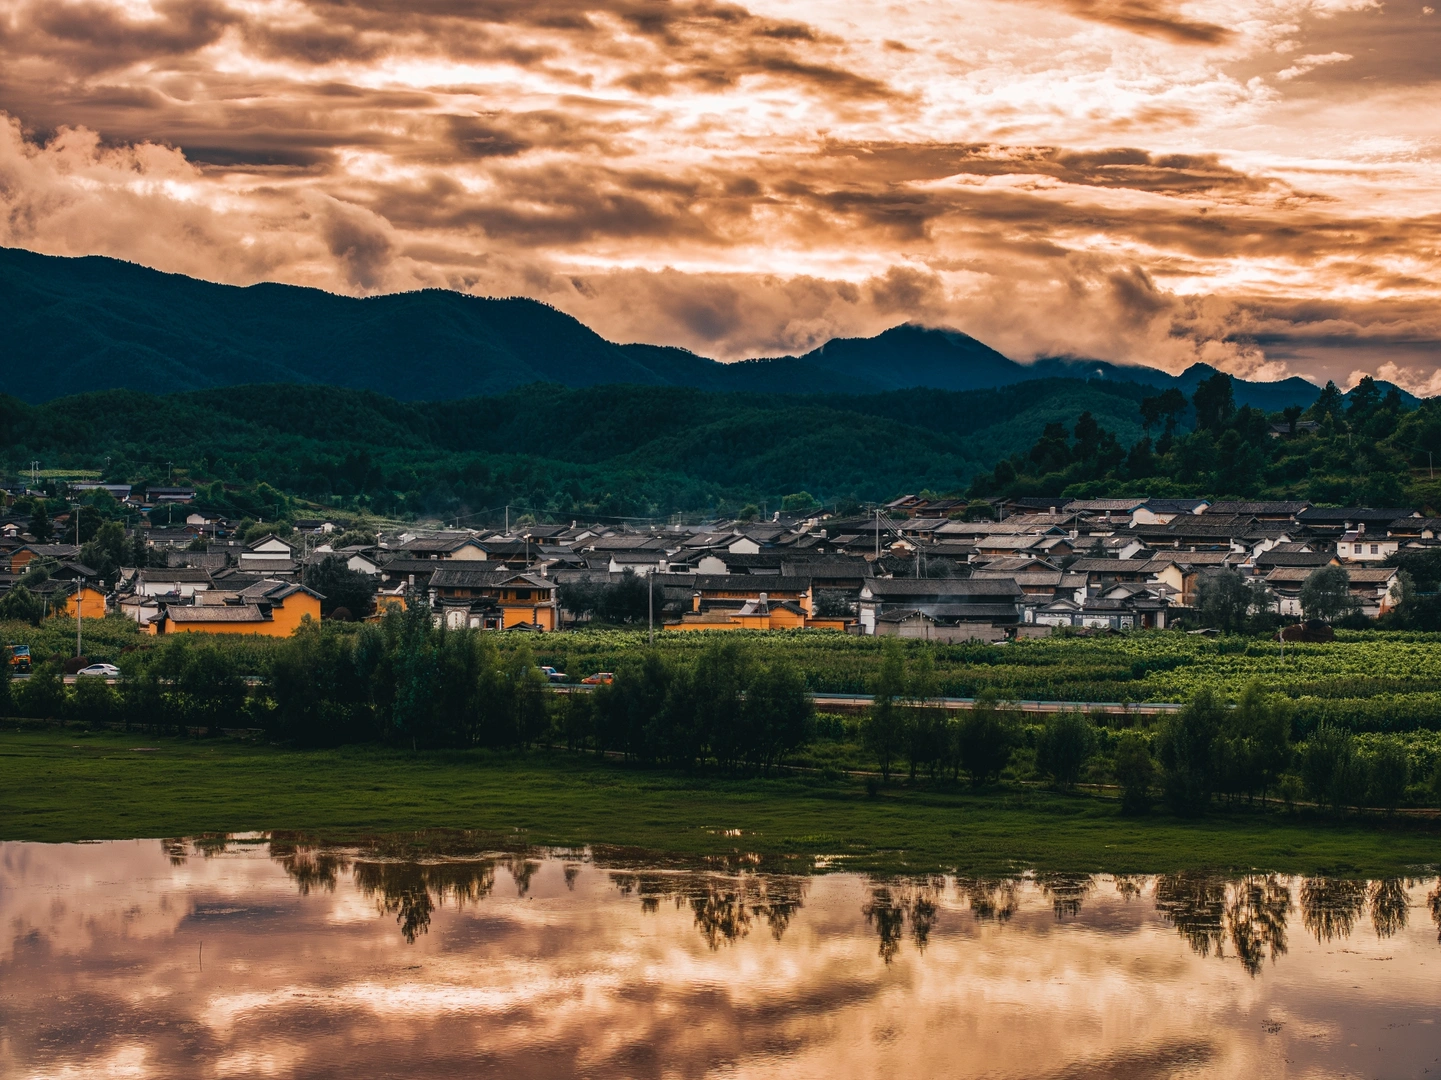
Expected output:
(1249, 184)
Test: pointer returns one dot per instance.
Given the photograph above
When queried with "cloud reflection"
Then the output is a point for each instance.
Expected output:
(185, 959)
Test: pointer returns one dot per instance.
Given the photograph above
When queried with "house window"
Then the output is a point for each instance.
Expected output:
(522, 594)
(1375, 549)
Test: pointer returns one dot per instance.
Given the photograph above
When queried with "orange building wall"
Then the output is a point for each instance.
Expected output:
(92, 604)
(285, 619)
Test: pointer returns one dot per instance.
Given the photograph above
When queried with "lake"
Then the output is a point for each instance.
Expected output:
(256, 957)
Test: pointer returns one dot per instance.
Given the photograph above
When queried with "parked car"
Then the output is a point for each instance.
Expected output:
(20, 659)
(553, 675)
(600, 678)
(104, 671)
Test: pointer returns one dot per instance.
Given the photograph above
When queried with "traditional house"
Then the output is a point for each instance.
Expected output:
(494, 599)
(1359, 546)
(963, 608)
(269, 608)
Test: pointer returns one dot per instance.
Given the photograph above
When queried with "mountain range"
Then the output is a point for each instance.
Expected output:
(94, 323)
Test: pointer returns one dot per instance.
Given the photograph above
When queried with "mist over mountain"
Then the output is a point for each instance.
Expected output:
(84, 324)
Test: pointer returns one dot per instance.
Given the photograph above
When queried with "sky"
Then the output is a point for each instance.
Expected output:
(1249, 183)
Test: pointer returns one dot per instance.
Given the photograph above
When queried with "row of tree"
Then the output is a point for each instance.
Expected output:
(1351, 448)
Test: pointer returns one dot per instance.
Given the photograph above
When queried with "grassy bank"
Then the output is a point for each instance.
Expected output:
(65, 785)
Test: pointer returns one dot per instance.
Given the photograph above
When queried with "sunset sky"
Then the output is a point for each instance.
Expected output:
(1253, 183)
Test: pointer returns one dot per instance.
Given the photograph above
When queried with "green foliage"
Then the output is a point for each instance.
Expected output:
(340, 587)
(1186, 748)
(1388, 772)
(19, 604)
(1067, 742)
(986, 738)
(1135, 773)
(1326, 593)
(1226, 600)
(1332, 772)
(885, 730)
(42, 696)
(1362, 454)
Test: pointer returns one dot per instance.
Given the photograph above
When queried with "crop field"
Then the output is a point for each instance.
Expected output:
(1368, 680)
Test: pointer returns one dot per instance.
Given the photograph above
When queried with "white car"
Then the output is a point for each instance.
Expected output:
(105, 671)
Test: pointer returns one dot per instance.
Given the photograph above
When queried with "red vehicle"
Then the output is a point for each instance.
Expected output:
(600, 678)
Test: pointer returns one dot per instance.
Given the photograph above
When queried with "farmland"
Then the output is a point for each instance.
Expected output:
(1368, 680)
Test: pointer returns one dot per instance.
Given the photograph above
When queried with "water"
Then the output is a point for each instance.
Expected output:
(257, 959)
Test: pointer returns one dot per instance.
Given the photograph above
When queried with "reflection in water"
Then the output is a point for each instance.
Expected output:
(1256, 920)
(724, 907)
(1331, 906)
(1387, 901)
(991, 898)
(1209, 911)
(283, 958)
(1066, 891)
(410, 891)
(1195, 904)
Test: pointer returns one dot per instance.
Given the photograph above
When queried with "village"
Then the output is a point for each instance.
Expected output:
(917, 567)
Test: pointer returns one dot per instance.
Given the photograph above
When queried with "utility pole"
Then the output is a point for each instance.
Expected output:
(170, 472)
(507, 521)
(650, 604)
(79, 588)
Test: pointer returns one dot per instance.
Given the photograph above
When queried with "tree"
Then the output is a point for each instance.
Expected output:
(1135, 772)
(1223, 600)
(340, 586)
(1266, 724)
(986, 738)
(1066, 744)
(924, 724)
(1186, 750)
(777, 712)
(1292, 413)
(42, 696)
(1331, 402)
(884, 729)
(800, 503)
(1326, 594)
(1164, 408)
(1388, 772)
(1214, 402)
(22, 605)
(1332, 773)
(40, 526)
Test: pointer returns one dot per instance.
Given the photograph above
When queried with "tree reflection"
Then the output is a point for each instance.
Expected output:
(1195, 904)
(410, 891)
(1433, 901)
(1256, 920)
(1066, 892)
(1251, 914)
(993, 899)
(724, 907)
(1331, 906)
(312, 868)
(887, 914)
(1388, 901)
(924, 913)
(1129, 886)
(721, 915)
(522, 870)
(891, 907)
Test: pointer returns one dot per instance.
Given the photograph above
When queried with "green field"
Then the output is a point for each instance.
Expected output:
(1369, 680)
(67, 785)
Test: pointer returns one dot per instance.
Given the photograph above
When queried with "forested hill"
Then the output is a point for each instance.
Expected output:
(607, 450)
(96, 323)
(652, 451)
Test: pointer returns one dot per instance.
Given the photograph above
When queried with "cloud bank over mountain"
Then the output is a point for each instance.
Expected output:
(1252, 185)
